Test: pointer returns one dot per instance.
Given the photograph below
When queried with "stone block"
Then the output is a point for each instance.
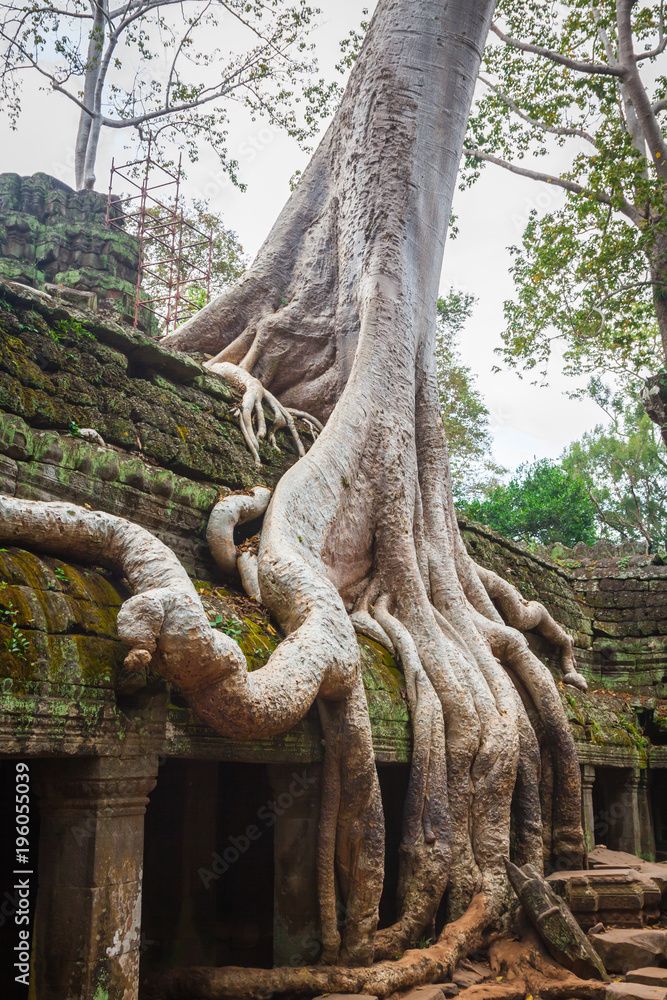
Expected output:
(464, 979)
(622, 897)
(78, 298)
(178, 367)
(345, 996)
(623, 950)
(433, 991)
(650, 976)
(602, 858)
(635, 991)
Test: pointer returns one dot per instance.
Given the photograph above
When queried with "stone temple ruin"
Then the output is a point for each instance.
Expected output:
(158, 843)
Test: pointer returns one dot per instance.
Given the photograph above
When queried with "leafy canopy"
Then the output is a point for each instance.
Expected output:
(624, 471)
(578, 86)
(167, 68)
(542, 503)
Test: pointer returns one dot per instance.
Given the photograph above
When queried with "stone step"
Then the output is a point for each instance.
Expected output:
(623, 950)
(650, 976)
(635, 991)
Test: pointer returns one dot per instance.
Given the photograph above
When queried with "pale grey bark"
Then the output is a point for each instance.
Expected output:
(99, 11)
(337, 316)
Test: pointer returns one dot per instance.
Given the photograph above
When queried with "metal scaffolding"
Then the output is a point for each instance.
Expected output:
(167, 270)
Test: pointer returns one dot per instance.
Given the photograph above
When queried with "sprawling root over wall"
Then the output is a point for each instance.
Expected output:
(337, 316)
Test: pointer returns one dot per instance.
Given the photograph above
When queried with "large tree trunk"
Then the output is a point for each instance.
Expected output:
(337, 315)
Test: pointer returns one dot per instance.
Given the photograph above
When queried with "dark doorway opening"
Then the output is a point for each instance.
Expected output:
(394, 780)
(659, 803)
(208, 887)
(612, 808)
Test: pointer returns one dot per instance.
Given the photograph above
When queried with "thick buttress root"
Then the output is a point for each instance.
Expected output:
(426, 845)
(424, 965)
(337, 316)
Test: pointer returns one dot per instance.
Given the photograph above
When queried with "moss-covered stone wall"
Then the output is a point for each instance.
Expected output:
(615, 607)
(64, 689)
(172, 446)
(50, 234)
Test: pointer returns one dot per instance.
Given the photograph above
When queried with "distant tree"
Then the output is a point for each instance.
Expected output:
(625, 475)
(109, 60)
(542, 503)
(464, 413)
(580, 86)
(227, 258)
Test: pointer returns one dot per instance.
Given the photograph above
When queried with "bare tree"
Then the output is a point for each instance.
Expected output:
(156, 65)
(337, 315)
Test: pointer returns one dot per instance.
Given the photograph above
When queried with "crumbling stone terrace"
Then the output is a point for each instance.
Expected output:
(130, 784)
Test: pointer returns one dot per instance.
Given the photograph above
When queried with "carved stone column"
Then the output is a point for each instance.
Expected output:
(587, 810)
(88, 915)
(647, 834)
(630, 839)
(296, 934)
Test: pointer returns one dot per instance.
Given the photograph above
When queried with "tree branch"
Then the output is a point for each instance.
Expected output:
(628, 113)
(179, 50)
(536, 175)
(53, 80)
(552, 129)
(636, 90)
(161, 112)
(579, 67)
(53, 10)
(662, 43)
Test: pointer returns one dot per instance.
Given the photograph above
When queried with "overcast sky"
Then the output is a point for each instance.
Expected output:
(526, 421)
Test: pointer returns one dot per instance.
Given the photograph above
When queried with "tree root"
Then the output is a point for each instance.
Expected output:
(536, 681)
(337, 315)
(254, 395)
(433, 964)
(165, 624)
(249, 572)
(426, 845)
(228, 514)
(524, 615)
(364, 624)
(526, 967)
